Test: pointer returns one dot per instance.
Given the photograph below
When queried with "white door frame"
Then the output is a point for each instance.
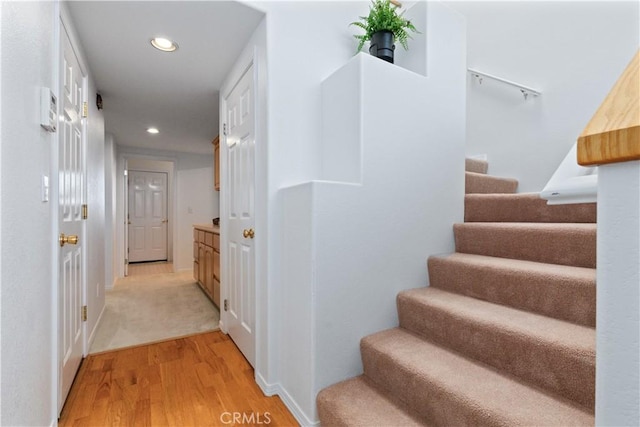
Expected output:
(123, 164)
(251, 56)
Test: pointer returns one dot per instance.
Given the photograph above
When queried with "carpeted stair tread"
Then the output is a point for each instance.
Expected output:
(523, 207)
(554, 243)
(481, 183)
(358, 402)
(537, 287)
(476, 165)
(449, 389)
(552, 354)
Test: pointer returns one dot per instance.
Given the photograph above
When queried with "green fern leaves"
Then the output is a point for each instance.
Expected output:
(383, 16)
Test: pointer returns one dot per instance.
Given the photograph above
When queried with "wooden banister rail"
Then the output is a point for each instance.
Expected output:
(613, 134)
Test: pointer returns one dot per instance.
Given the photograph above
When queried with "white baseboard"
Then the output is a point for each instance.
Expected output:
(289, 402)
(293, 407)
(267, 389)
(92, 336)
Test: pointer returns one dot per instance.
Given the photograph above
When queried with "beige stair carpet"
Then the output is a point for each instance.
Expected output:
(503, 336)
(145, 309)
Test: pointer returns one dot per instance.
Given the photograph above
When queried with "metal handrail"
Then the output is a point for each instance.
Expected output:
(525, 90)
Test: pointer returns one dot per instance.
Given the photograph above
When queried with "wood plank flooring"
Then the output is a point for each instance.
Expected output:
(200, 380)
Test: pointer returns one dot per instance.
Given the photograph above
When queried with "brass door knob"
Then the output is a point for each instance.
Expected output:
(164, 221)
(71, 239)
(248, 233)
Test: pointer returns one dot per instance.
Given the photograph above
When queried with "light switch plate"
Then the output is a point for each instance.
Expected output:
(45, 188)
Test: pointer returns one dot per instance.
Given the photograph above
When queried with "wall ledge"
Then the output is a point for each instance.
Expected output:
(621, 145)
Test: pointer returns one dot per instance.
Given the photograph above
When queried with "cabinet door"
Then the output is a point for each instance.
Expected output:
(216, 292)
(202, 261)
(216, 265)
(216, 242)
(208, 278)
(196, 271)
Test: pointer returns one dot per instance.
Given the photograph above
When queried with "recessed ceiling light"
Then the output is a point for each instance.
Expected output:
(163, 44)
(153, 130)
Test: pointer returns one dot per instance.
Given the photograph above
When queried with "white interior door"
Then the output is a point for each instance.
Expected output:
(72, 178)
(240, 140)
(147, 216)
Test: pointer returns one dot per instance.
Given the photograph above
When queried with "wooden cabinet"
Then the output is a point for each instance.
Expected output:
(216, 163)
(206, 261)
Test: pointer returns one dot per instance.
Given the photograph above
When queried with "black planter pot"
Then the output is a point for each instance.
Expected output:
(382, 45)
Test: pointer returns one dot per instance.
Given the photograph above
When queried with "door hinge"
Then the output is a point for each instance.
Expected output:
(85, 211)
(224, 129)
(226, 305)
(85, 109)
(84, 313)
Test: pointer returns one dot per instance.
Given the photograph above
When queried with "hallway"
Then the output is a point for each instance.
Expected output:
(191, 381)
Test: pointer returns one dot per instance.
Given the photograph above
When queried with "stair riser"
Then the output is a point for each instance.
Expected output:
(575, 247)
(567, 372)
(524, 208)
(357, 401)
(440, 407)
(531, 291)
(476, 166)
(483, 184)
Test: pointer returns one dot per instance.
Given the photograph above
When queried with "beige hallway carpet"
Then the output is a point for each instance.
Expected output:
(144, 309)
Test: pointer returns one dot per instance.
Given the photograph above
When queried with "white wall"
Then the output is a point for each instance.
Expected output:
(370, 237)
(26, 340)
(197, 203)
(618, 308)
(96, 222)
(572, 51)
(191, 187)
(110, 170)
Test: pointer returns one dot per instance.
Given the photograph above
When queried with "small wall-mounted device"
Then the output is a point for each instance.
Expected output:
(48, 109)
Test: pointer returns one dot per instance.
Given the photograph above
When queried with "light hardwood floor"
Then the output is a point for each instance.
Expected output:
(200, 380)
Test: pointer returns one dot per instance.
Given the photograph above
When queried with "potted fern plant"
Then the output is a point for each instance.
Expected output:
(382, 27)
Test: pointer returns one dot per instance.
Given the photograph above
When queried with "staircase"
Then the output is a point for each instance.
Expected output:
(505, 334)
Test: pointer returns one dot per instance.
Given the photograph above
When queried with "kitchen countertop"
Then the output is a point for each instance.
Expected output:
(208, 227)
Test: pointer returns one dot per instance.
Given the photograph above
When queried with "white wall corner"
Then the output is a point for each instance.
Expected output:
(618, 295)
(296, 410)
(341, 158)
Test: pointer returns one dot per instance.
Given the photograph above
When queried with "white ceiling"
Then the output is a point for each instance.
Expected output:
(141, 86)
